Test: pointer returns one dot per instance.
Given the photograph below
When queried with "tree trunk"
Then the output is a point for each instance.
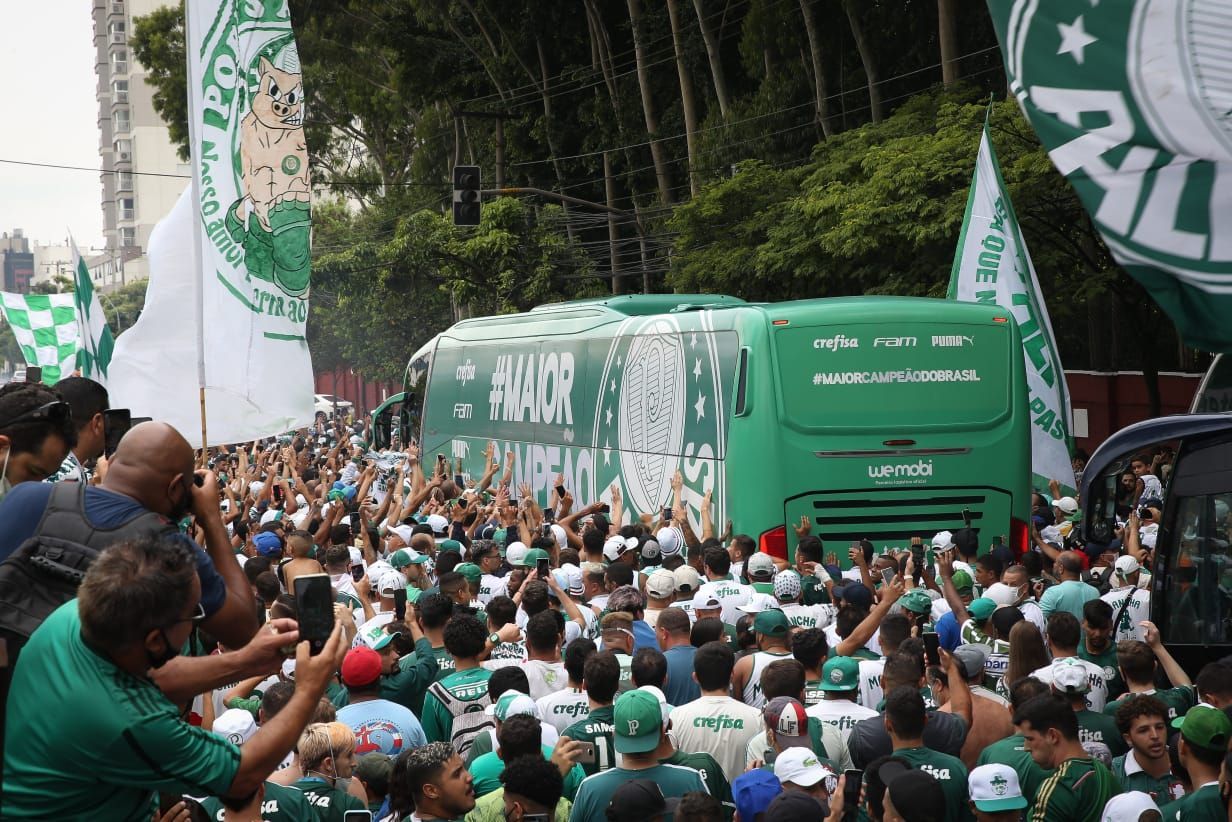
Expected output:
(687, 104)
(652, 120)
(947, 36)
(613, 233)
(821, 106)
(547, 130)
(866, 57)
(715, 57)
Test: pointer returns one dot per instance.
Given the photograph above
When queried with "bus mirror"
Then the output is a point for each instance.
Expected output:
(382, 425)
(406, 426)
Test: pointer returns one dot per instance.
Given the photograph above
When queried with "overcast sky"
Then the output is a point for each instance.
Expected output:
(50, 116)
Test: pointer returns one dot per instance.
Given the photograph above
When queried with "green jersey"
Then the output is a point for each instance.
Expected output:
(1202, 805)
(1164, 789)
(815, 592)
(950, 772)
(415, 673)
(596, 791)
(596, 729)
(1178, 700)
(1093, 727)
(1108, 661)
(280, 804)
(127, 742)
(711, 773)
(1076, 792)
(331, 804)
(1012, 753)
(486, 770)
(491, 808)
(466, 686)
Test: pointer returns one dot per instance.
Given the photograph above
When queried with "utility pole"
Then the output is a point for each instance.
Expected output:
(499, 117)
(613, 234)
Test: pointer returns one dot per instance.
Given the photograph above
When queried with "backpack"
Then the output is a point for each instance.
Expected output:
(469, 717)
(45, 570)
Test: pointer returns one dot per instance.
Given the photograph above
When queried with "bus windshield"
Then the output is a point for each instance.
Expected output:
(859, 376)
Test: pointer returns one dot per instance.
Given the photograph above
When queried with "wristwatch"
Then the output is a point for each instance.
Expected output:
(494, 638)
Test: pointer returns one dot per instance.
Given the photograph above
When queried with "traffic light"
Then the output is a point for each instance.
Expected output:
(466, 195)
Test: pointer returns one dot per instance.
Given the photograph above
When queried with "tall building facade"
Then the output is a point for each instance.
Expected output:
(142, 176)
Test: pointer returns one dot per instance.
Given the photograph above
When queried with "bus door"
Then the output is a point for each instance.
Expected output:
(1191, 564)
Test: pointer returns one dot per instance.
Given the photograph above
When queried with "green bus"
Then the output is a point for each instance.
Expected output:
(876, 418)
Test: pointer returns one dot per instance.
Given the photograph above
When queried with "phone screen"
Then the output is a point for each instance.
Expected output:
(357, 572)
(667, 514)
(314, 599)
(543, 568)
(116, 422)
(357, 816)
(851, 791)
(887, 575)
(560, 490)
(932, 645)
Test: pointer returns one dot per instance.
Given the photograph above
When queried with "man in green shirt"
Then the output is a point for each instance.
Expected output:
(1205, 733)
(1080, 786)
(272, 802)
(465, 638)
(92, 660)
(600, 678)
(1069, 680)
(326, 753)
(1147, 767)
(519, 735)
(535, 788)
(904, 721)
(1097, 646)
(1136, 663)
(641, 738)
(1012, 751)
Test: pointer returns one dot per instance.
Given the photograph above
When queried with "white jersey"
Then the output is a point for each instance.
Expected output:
(1151, 488)
(382, 618)
(752, 689)
(1097, 697)
(545, 677)
(572, 631)
(719, 726)
(1034, 614)
(842, 714)
(1138, 610)
(833, 639)
(686, 605)
(870, 683)
(732, 594)
(562, 708)
(808, 616)
(492, 586)
(832, 742)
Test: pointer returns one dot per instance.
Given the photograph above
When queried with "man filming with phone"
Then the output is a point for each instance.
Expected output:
(89, 403)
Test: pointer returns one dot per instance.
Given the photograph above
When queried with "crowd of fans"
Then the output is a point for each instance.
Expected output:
(491, 659)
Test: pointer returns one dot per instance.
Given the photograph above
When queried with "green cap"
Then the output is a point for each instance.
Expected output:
(533, 556)
(963, 581)
(413, 594)
(916, 601)
(499, 536)
(405, 556)
(981, 609)
(840, 673)
(469, 570)
(449, 545)
(637, 721)
(1205, 727)
(771, 622)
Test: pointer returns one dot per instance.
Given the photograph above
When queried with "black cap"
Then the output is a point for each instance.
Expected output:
(795, 806)
(917, 795)
(639, 800)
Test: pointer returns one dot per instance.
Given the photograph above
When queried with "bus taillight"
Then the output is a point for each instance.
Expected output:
(1018, 536)
(774, 542)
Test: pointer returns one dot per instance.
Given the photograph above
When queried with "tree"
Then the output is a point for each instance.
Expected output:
(158, 44)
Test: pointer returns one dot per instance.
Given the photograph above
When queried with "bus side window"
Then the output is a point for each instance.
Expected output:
(1200, 576)
(742, 404)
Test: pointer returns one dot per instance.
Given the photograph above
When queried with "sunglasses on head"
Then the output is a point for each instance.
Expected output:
(56, 411)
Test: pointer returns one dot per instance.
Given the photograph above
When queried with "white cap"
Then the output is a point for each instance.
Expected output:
(299, 519)
(516, 553)
(235, 725)
(391, 581)
(512, 703)
(995, 788)
(613, 548)
(661, 584)
(1001, 594)
(301, 500)
(943, 540)
(1126, 565)
(439, 524)
(800, 766)
(403, 532)
(573, 579)
(687, 575)
(256, 487)
(1068, 677)
(271, 515)
(558, 532)
(288, 669)
(706, 602)
(671, 541)
(759, 564)
(1128, 807)
(1067, 505)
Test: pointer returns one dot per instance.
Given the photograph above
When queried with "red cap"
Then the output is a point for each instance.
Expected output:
(361, 666)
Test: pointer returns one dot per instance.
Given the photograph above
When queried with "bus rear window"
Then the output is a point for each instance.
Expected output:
(896, 378)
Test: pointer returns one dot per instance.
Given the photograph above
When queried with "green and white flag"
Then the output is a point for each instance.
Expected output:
(93, 331)
(226, 308)
(45, 326)
(991, 265)
(1132, 100)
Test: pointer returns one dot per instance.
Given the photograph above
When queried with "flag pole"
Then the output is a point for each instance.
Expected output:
(194, 143)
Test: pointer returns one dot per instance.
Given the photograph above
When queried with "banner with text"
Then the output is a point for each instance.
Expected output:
(249, 210)
(1131, 99)
(992, 265)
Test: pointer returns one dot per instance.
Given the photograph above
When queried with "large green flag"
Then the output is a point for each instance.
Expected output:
(95, 335)
(45, 326)
(1132, 99)
(992, 265)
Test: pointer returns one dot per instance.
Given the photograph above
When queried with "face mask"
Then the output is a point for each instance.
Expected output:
(169, 653)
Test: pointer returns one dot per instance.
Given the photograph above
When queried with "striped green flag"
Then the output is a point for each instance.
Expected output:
(45, 326)
(93, 332)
